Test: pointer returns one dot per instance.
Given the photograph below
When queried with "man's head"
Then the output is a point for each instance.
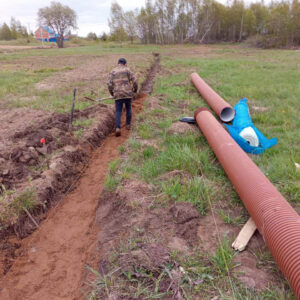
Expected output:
(122, 61)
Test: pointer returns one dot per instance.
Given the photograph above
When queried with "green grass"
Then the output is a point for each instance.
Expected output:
(196, 191)
(222, 260)
(84, 123)
(81, 124)
(112, 179)
(12, 205)
(268, 79)
(227, 219)
(20, 81)
(274, 85)
(18, 78)
(91, 49)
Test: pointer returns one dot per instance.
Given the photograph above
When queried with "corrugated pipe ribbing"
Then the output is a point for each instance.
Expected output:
(224, 110)
(276, 220)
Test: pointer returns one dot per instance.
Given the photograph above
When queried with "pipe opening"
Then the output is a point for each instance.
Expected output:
(227, 114)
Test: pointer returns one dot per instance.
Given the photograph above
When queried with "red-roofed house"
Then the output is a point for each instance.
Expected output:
(46, 34)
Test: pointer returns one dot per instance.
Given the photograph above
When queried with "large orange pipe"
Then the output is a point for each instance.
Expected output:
(276, 220)
(216, 102)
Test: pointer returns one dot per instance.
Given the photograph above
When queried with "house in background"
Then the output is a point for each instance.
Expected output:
(46, 34)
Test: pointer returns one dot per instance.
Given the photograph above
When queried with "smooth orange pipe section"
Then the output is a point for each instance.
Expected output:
(275, 218)
(216, 102)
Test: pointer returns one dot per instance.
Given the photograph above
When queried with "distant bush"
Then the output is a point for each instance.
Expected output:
(92, 36)
(104, 37)
(78, 41)
(266, 41)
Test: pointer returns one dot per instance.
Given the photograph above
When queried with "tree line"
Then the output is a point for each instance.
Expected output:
(207, 21)
(14, 31)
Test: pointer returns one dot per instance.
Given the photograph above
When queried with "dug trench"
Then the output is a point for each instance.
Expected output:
(45, 260)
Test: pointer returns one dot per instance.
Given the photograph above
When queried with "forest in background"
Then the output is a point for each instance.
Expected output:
(192, 21)
(273, 25)
(14, 31)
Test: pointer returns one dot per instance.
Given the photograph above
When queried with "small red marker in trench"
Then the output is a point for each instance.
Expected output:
(43, 141)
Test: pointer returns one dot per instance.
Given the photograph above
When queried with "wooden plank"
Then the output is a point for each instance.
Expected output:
(244, 236)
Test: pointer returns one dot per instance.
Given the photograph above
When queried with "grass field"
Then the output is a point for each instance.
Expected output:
(270, 82)
(269, 79)
(21, 70)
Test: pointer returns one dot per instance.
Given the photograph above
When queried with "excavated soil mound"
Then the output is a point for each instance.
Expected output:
(138, 238)
(49, 263)
(182, 128)
(128, 215)
(41, 172)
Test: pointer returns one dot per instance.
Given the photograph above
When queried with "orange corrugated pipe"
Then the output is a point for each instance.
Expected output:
(224, 110)
(275, 218)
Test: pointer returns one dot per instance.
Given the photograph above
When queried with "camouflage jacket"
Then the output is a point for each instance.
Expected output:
(122, 83)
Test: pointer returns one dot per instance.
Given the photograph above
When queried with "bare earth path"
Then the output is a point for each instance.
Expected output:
(14, 47)
(53, 257)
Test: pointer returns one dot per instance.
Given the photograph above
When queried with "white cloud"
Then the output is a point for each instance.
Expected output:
(92, 27)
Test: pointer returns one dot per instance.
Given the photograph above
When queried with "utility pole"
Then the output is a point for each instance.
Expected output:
(42, 37)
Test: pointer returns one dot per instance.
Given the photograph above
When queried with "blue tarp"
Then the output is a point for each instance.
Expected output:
(243, 120)
(52, 40)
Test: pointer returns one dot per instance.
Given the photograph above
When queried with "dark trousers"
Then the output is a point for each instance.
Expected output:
(119, 107)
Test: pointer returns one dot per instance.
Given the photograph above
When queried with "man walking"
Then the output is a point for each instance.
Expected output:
(121, 85)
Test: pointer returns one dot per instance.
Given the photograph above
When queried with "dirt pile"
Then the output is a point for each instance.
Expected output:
(34, 175)
(145, 236)
(50, 262)
(182, 128)
(138, 239)
(58, 248)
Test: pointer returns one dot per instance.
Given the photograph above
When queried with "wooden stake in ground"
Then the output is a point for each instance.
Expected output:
(31, 217)
(72, 109)
(244, 236)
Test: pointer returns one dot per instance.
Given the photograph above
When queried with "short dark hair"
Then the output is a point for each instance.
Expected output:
(122, 61)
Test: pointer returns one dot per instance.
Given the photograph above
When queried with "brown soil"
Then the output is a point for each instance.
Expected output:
(88, 72)
(153, 103)
(91, 69)
(35, 63)
(182, 128)
(128, 215)
(247, 262)
(13, 47)
(51, 263)
(51, 259)
(21, 147)
(137, 233)
(51, 169)
(48, 263)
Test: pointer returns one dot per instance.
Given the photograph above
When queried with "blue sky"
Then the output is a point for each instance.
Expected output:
(92, 14)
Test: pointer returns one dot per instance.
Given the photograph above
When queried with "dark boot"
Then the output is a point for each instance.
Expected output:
(118, 131)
